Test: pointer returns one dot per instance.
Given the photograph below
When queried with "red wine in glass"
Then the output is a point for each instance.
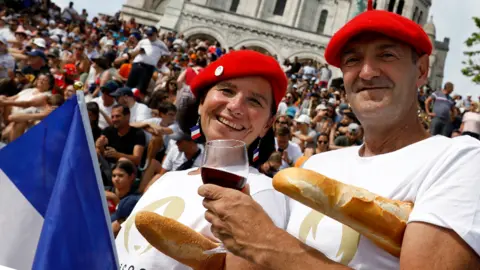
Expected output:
(222, 178)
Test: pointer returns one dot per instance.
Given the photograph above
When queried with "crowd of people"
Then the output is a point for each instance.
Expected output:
(137, 82)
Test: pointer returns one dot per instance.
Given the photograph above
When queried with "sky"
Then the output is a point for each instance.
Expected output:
(452, 18)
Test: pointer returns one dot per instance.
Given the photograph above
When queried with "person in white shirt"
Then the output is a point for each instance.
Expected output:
(238, 102)
(138, 111)
(384, 58)
(290, 150)
(145, 59)
(106, 102)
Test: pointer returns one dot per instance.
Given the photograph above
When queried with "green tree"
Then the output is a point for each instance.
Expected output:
(472, 68)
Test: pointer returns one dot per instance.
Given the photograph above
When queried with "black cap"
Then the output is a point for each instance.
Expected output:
(124, 91)
(109, 87)
(151, 30)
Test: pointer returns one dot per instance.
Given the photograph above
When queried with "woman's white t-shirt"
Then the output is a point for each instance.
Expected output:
(439, 175)
(175, 195)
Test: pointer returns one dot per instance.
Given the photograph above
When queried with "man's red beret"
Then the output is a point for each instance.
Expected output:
(387, 23)
(239, 64)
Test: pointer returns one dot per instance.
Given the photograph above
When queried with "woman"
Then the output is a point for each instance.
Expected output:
(122, 197)
(234, 100)
(322, 143)
(32, 100)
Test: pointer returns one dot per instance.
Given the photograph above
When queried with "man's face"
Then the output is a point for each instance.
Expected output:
(282, 142)
(381, 77)
(36, 62)
(122, 100)
(119, 119)
(449, 88)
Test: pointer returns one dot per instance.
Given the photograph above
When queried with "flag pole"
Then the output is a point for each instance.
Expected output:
(93, 154)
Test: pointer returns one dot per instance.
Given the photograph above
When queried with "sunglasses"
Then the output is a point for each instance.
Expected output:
(322, 142)
(282, 122)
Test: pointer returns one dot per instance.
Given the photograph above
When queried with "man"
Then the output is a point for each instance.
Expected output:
(352, 137)
(138, 111)
(384, 58)
(121, 140)
(290, 151)
(7, 66)
(443, 111)
(145, 58)
(183, 154)
(106, 102)
(37, 63)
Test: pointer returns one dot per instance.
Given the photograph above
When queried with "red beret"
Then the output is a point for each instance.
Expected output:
(239, 64)
(380, 21)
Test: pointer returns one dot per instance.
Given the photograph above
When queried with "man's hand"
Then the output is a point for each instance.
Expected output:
(285, 157)
(101, 142)
(237, 220)
(111, 152)
(432, 114)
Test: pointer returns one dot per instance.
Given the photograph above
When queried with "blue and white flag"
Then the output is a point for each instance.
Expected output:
(53, 212)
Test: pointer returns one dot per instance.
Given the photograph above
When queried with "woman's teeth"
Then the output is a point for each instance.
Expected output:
(229, 124)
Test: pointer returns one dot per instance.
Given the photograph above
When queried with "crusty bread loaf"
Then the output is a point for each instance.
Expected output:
(380, 219)
(178, 241)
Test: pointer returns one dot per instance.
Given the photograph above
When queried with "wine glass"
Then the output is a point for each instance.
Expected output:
(225, 164)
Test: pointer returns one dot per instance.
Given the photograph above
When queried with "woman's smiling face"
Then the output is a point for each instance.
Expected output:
(237, 109)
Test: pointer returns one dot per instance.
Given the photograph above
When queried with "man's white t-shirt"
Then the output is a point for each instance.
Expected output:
(293, 151)
(175, 196)
(439, 175)
(153, 51)
(139, 112)
(175, 158)
(102, 123)
(471, 122)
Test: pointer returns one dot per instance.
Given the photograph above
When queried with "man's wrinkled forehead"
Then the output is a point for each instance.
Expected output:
(371, 39)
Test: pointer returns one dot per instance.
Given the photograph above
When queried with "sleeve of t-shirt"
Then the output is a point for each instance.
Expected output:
(140, 138)
(144, 114)
(296, 152)
(450, 198)
(168, 161)
(274, 204)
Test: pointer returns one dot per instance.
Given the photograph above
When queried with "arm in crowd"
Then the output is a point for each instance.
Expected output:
(428, 103)
(136, 157)
(26, 117)
(331, 143)
(34, 102)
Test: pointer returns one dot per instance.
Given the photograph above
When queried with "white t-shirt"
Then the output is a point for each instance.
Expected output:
(471, 122)
(139, 112)
(153, 51)
(102, 123)
(175, 195)
(293, 151)
(440, 175)
(175, 158)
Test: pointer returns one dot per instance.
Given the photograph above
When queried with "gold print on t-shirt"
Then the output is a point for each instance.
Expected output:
(174, 210)
(348, 244)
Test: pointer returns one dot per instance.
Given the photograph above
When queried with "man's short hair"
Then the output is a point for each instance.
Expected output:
(282, 131)
(166, 107)
(448, 85)
(125, 109)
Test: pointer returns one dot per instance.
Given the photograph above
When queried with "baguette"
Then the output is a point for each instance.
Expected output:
(380, 219)
(178, 241)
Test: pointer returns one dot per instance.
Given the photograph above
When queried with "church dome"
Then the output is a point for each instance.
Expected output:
(429, 27)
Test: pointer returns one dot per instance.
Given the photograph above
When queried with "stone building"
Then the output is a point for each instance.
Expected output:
(285, 28)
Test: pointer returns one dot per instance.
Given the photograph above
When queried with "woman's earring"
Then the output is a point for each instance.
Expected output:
(256, 152)
(195, 130)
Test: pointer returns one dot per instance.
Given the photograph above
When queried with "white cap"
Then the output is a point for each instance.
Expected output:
(303, 119)
(321, 107)
(324, 89)
(469, 94)
(40, 42)
(353, 127)
(55, 38)
(332, 101)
